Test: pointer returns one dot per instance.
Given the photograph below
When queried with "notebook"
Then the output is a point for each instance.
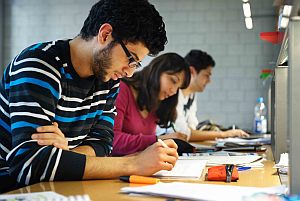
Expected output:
(184, 169)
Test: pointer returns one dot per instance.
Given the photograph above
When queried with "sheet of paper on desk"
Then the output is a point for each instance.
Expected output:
(48, 195)
(244, 141)
(193, 191)
(43, 196)
(185, 169)
(200, 146)
(219, 160)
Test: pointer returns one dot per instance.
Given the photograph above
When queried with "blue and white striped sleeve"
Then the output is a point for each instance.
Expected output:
(101, 135)
(33, 89)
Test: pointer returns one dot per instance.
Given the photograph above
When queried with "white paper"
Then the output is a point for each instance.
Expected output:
(43, 196)
(208, 192)
(243, 141)
(184, 169)
(283, 162)
(220, 160)
(39, 196)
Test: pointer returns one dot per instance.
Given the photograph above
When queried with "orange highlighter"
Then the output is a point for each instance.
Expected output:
(139, 179)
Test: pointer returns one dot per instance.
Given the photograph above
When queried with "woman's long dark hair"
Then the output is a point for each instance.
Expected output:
(147, 84)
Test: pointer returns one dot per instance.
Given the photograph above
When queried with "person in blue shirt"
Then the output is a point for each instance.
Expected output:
(57, 100)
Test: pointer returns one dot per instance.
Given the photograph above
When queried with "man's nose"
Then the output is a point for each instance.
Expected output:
(129, 71)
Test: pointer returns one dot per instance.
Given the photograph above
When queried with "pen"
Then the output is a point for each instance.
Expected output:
(242, 168)
(173, 127)
(162, 143)
(139, 179)
(233, 127)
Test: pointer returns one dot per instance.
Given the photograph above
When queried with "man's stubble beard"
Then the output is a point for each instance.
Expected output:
(102, 62)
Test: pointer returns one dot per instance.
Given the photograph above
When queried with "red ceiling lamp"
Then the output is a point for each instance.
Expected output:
(274, 37)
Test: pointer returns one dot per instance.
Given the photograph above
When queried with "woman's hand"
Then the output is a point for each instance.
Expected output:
(176, 135)
(234, 133)
(51, 135)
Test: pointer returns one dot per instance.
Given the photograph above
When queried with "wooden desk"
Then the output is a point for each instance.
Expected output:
(109, 189)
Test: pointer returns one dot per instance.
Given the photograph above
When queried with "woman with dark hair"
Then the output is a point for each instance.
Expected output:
(147, 99)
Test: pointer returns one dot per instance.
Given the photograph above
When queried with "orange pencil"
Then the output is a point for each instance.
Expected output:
(139, 179)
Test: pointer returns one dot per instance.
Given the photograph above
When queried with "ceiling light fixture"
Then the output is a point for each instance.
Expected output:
(248, 22)
(283, 19)
(287, 9)
(247, 14)
(247, 9)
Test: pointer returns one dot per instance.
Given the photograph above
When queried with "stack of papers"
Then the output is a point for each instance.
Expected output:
(213, 160)
(184, 169)
(192, 191)
(245, 141)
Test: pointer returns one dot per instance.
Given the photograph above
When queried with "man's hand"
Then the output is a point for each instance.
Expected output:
(235, 133)
(51, 135)
(176, 135)
(156, 158)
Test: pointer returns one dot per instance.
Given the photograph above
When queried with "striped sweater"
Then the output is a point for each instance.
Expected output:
(40, 86)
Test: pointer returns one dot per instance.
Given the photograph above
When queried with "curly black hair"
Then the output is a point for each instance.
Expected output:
(200, 60)
(132, 21)
(147, 84)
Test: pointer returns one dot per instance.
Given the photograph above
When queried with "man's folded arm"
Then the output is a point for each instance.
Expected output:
(30, 163)
(101, 135)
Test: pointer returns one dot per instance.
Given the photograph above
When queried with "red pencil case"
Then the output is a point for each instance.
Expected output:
(222, 173)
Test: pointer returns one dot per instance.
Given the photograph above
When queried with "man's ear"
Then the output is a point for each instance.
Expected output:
(105, 33)
(193, 71)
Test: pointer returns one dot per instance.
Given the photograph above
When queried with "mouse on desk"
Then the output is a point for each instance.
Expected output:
(184, 147)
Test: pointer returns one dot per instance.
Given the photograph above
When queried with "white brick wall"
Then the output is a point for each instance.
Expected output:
(216, 26)
(32, 21)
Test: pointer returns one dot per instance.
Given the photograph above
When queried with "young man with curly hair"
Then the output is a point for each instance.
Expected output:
(57, 100)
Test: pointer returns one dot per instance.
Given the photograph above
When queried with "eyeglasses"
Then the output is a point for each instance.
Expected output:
(132, 62)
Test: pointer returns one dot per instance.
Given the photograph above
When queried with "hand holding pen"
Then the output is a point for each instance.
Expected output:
(176, 135)
(155, 158)
(162, 143)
